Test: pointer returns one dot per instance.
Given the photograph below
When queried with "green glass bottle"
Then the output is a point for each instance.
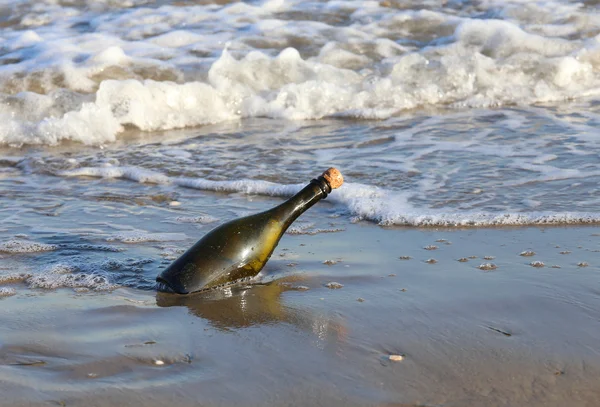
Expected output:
(240, 248)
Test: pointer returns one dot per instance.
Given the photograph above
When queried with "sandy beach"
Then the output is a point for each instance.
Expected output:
(520, 334)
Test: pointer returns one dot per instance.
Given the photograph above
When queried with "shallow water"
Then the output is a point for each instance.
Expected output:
(439, 113)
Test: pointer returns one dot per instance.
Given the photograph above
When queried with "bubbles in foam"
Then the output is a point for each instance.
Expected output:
(299, 228)
(94, 247)
(15, 246)
(142, 237)
(309, 229)
(96, 276)
(171, 253)
(24, 246)
(51, 280)
(14, 278)
(7, 291)
(197, 219)
(63, 268)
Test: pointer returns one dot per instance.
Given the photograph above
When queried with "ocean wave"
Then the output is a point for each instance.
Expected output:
(163, 68)
(362, 202)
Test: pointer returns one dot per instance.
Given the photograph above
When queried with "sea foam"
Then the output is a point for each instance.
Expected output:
(363, 202)
(24, 246)
(95, 275)
(7, 291)
(53, 280)
(142, 237)
(169, 67)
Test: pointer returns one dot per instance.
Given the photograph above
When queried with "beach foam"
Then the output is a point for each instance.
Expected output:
(7, 291)
(62, 279)
(142, 237)
(384, 206)
(91, 275)
(167, 67)
(203, 219)
(24, 246)
(14, 278)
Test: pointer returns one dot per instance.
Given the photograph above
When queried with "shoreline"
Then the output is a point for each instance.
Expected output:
(518, 335)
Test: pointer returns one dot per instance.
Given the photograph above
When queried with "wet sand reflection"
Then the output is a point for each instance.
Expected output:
(259, 304)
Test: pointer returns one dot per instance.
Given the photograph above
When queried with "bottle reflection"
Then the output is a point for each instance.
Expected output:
(247, 306)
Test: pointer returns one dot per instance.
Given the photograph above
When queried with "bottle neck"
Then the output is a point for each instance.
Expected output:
(289, 211)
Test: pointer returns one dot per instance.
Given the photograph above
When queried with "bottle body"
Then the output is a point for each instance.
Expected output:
(239, 248)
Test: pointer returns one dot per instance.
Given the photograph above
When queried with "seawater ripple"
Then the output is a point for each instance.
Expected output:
(359, 200)
(440, 112)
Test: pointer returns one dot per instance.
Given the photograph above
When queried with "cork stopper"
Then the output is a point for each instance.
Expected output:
(333, 177)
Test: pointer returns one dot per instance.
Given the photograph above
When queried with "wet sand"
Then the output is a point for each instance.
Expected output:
(516, 335)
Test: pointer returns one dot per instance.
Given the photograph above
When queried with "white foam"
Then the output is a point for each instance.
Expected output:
(142, 237)
(52, 280)
(24, 246)
(14, 278)
(203, 219)
(171, 253)
(74, 274)
(299, 228)
(131, 173)
(142, 175)
(95, 247)
(386, 207)
(62, 268)
(168, 67)
(176, 39)
(7, 291)
(245, 186)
